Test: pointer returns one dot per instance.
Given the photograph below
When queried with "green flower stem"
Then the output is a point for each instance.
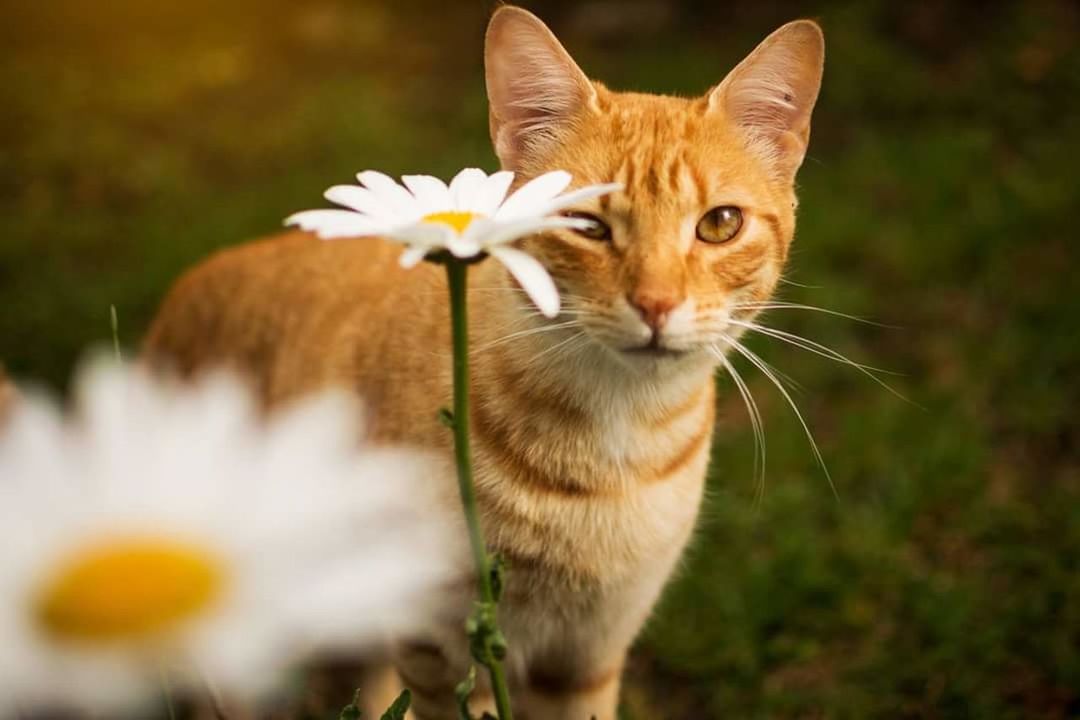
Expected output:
(486, 633)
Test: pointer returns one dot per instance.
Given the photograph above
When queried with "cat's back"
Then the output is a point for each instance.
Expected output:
(274, 308)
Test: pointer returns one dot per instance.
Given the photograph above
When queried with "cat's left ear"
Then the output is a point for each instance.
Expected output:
(771, 94)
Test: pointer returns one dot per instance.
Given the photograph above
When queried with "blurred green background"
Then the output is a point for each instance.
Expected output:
(939, 196)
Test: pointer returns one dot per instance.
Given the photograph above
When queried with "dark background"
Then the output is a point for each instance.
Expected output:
(939, 197)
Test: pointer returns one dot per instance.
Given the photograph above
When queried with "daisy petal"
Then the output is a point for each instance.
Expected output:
(494, 192)
(395, 197)
(466, 188)
(479, 230)
(508, 232)
(334, 223)
(413, 255)
(534, 194)
(532, 276)
(359, 199)
(423, 235)
(430, 192)
(464, 247)
(574, 197)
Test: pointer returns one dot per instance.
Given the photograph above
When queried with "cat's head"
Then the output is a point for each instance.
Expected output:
(702, 228)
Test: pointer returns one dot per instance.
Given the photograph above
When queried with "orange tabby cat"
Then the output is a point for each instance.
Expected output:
(592, 431)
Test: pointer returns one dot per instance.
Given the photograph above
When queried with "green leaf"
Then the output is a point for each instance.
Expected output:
(498, 571)
(446, 417)
(397, 709)
(352, 710)
(463, 691)
(497, 644)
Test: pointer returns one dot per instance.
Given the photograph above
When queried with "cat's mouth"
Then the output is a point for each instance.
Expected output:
(653, 349)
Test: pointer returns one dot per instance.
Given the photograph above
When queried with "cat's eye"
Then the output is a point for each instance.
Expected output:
(720, 224)
(596, 229)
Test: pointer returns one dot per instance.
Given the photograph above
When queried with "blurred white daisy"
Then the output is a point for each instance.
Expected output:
(471, 216)
(8, 394)
(172, 531)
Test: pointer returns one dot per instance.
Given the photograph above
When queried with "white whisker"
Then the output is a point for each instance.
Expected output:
(579, 335)
(524, 333)
(756, 422)
(764, 368)
(819, 349)
(778, 305)
(793, 283)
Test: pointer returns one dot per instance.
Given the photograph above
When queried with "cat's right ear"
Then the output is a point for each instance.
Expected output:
(771, 94)
(535, 89)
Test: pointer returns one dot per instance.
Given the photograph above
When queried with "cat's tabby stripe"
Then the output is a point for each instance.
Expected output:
(515, 461)
(690, 451)
(678, 411)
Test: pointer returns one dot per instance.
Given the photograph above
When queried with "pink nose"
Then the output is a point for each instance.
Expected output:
(654, 307)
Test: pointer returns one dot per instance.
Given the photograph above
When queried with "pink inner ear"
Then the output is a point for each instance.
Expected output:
(768, 103)
(534, 86)
(772, 92)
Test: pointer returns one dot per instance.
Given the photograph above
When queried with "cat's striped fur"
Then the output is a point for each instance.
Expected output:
(591, 432)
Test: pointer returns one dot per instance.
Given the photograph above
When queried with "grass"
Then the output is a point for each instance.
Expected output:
(939, 197)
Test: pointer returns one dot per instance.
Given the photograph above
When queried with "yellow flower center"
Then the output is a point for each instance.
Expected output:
(126, 588)
(457, 220)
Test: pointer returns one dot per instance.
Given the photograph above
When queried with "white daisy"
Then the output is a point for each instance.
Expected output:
(163, 530)
(470, 217)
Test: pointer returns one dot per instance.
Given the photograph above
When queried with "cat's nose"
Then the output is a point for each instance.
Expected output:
(654, 306)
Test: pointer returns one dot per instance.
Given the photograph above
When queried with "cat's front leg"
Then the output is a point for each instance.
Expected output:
(570, 693)
(431, 677)
(432, 671)
(547, 691)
